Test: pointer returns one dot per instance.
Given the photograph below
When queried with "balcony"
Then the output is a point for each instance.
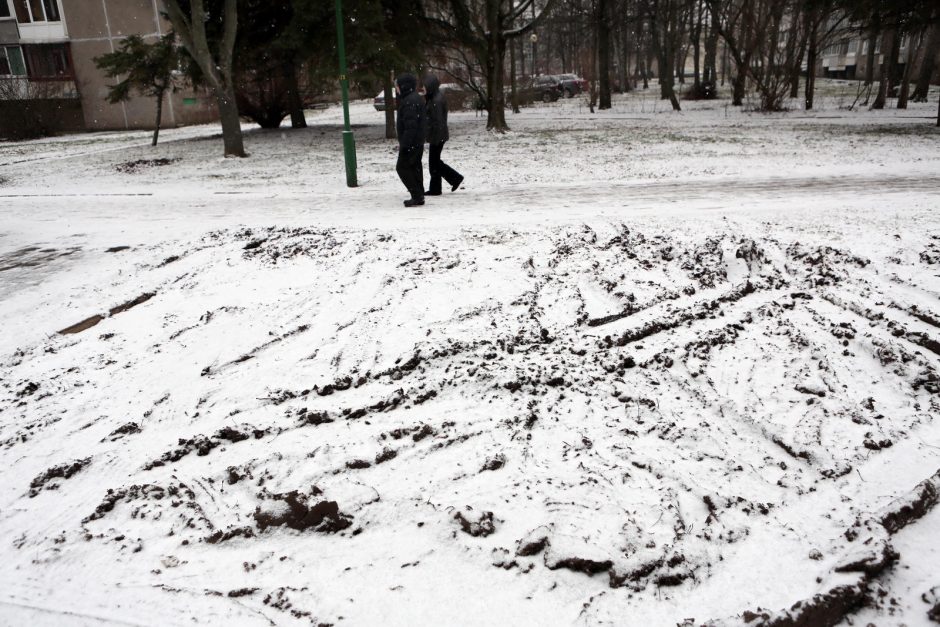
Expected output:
(43, 32)
(23, 88)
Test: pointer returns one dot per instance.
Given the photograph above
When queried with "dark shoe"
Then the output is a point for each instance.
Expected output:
(430, 193)
(414, 202)
(454, 187)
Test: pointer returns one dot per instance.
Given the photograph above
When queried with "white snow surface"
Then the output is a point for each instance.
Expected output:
(644, 368)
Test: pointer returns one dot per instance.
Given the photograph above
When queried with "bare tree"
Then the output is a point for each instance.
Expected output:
(887, 47)
(483, 28)
(663, 16)
(929, 62)
(602, 14)
(734, 21)
(216, 66)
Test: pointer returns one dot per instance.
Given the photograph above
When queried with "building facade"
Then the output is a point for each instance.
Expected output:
(47, 67)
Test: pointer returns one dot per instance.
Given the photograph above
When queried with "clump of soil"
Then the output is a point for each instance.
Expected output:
(129, 428)
(386, 455)
(475, 524)
(313, 417)
(179, 496)
(931, 254)
(417, 433)
(293, 509)
(203, 445)
(581, 565)
(62, 471)
(133, 167)
(494, 463)
(241, 592)
(223, 536)
(28, 390)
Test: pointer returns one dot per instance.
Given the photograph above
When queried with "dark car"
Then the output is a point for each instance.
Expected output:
(538, 89)
(571, 85)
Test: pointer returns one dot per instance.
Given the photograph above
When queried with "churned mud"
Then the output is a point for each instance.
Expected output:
(628, 410)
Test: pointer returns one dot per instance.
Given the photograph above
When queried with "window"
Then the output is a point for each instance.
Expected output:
(4, 9)
(11, 61)
(48, 61)
(36, 11)
(52, 10)
(22, 11)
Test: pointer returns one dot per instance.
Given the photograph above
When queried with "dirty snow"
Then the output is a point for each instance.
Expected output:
(645, 368)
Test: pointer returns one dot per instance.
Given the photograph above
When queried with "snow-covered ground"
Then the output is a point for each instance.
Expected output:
(645, 368)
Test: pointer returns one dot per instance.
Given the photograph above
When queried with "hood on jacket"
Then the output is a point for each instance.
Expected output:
(407, 83)
(431, 85)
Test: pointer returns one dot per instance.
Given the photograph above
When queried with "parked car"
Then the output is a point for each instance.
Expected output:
(379, 101)
(571, 85)
(537, 89)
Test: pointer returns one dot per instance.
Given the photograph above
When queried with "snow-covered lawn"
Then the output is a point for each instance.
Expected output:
(645, 368)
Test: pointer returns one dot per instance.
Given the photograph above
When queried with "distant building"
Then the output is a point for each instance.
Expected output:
(847, 57)
(48, 74)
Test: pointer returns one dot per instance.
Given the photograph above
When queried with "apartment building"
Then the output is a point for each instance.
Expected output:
(47, 68)
(847, 57)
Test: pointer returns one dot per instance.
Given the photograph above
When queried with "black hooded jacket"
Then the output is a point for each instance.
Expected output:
(412, 119)
(437, 111)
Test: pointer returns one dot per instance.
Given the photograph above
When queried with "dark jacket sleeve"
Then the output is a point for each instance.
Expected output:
(437, 119)
(410, 133)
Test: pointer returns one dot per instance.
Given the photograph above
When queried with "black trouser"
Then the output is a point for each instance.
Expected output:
(440, 169)
(411, 172)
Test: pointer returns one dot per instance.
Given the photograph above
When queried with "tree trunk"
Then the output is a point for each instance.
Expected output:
(513, 96)
(906, 76)
(522, 56)
(156, 127)
(697, 54)
(217, 72)
(664, 45)
(724, 65)
(801, 53)
(892, 61)
(603, 54)
(811, 55)
(624, 62)
(231, 123)
(294, 100)
(495, 54)
(390, 131)
(927, 65)
(535, 49)
(887, 45)
(870, 59)
(738, 86)
(710, 65)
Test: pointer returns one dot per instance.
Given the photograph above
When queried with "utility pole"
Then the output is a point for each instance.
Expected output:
(349, 142)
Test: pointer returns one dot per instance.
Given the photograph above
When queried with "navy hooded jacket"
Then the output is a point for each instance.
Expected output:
(412, 119)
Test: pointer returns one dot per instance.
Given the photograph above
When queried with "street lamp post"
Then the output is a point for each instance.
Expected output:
(349, 142)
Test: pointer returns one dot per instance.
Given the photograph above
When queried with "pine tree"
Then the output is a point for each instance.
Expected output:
(146, 68)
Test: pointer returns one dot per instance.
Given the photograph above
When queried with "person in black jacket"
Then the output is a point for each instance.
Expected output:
(438, 134)
(412, 127)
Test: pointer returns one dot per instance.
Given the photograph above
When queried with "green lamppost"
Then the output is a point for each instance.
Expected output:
(349, 142)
